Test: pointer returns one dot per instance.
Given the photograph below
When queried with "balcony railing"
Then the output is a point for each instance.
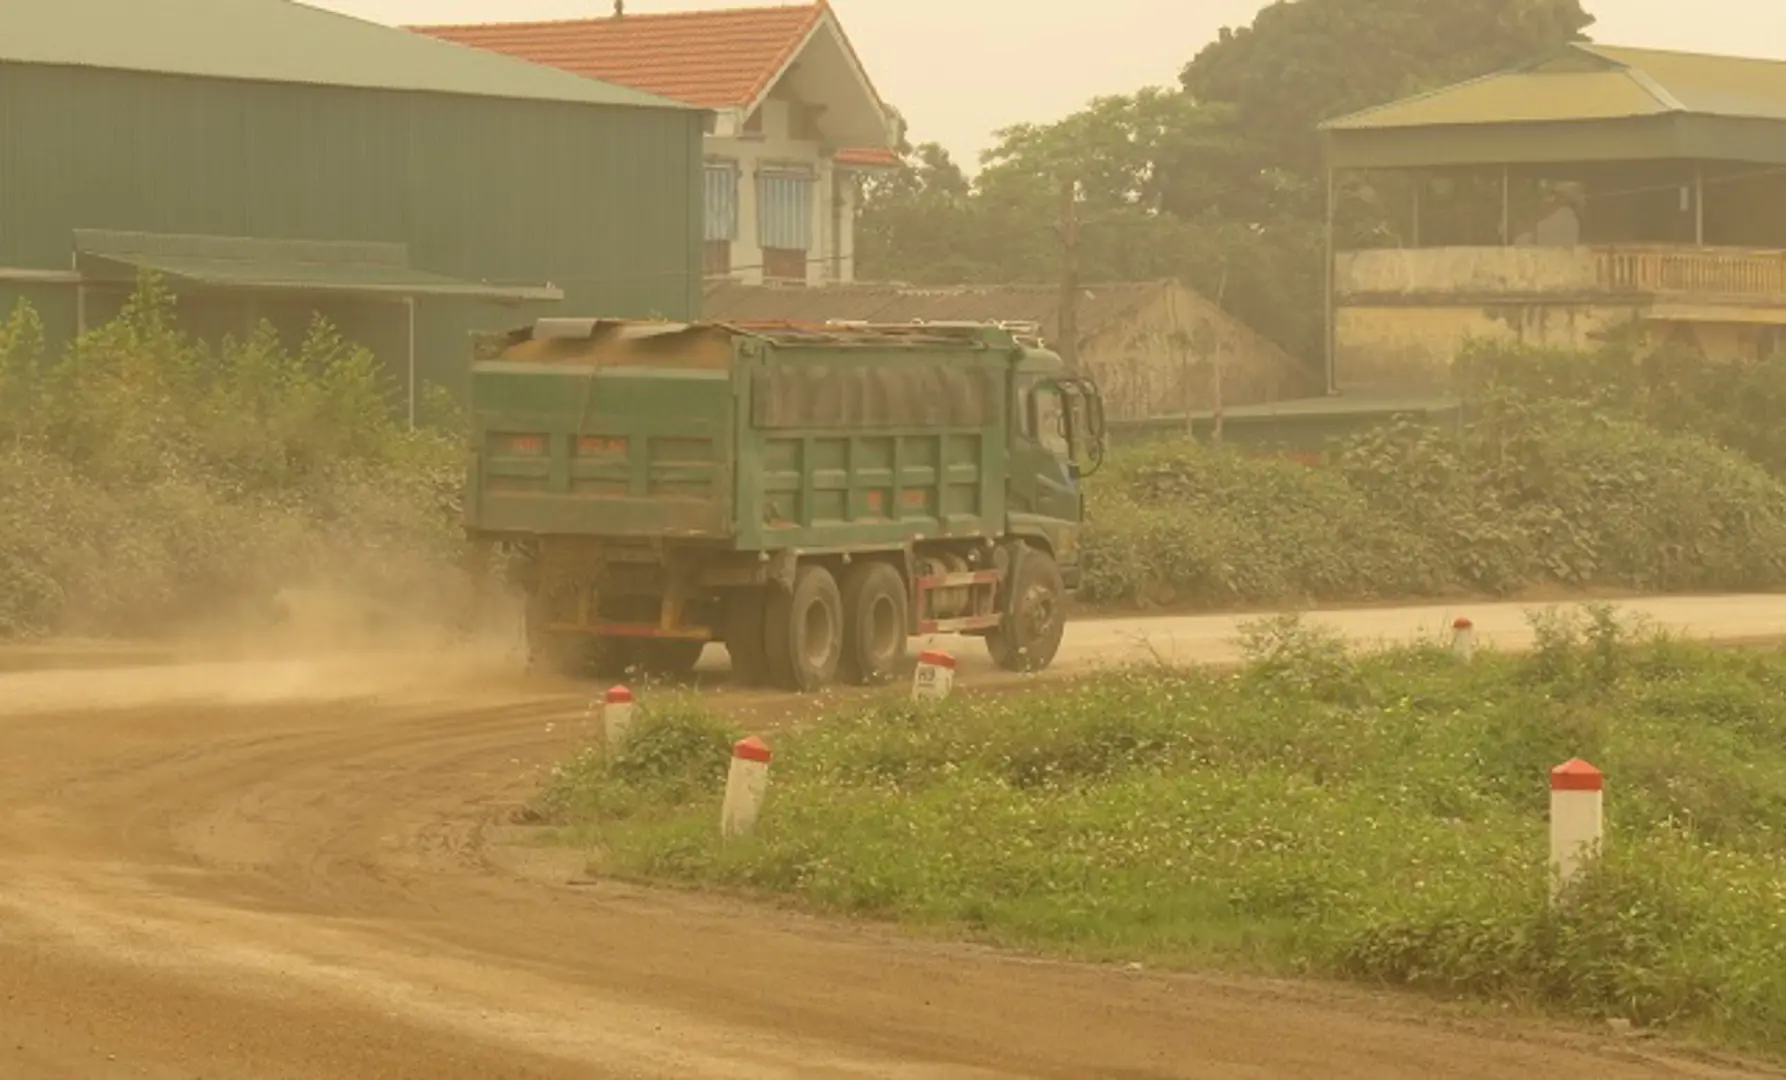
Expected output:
(1702, 274)
(1708, 272)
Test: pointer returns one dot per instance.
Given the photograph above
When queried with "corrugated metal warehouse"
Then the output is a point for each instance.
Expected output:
(271, 159)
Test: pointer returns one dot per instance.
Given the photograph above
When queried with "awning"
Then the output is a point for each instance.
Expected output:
(368, 269)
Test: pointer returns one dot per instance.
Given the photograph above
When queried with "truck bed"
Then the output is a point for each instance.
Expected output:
(759, 441)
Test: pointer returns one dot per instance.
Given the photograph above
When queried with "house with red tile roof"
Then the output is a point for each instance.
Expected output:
(796, 121)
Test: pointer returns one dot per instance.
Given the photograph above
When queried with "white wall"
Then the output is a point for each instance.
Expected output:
(775, 146)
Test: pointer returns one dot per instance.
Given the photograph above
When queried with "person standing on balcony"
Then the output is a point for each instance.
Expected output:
(1558, 224)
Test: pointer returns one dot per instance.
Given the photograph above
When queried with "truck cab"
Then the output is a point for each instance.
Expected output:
(1057, 439)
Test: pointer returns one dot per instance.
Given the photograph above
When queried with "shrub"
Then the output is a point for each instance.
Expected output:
(149, 480)
(674, 755)
(1673, 389)
(1182, 523)
(1530, 493)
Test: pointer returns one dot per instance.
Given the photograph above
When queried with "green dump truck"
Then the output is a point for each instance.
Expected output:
(811, 496)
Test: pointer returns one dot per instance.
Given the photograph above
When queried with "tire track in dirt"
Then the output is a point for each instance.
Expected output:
(303, 888)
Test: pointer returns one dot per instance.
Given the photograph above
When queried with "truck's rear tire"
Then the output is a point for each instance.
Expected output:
(610, 658)
(1030, 636)
(746, 626)
(875, 613)
(561, 654)
(803, 631)
(669, 658)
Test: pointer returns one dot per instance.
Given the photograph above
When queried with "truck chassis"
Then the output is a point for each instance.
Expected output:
(794, 620)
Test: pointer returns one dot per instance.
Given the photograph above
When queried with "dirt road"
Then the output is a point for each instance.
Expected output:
(270, 870)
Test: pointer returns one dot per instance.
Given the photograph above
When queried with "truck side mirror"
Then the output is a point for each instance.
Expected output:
(1089, 420)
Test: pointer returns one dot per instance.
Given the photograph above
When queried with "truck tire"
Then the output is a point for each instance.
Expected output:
(669, 658)
(570, 655)
(561, 654)
(1030, 636)
(803, 631)
(610, 658)
(875, 616)
(745, 632)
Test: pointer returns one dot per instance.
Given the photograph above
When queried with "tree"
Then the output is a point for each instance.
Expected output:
(916, 223)
(1218, 181)
(1305, 61)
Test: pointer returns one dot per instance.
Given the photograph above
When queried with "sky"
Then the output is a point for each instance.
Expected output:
(961, 69)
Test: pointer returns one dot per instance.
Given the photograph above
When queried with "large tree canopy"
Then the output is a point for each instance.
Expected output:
(1305, 61)
(1217, 181)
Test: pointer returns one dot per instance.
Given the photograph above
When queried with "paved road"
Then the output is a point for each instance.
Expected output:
(302, 869)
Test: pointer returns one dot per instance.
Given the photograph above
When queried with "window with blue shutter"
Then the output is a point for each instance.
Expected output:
(722, 201)
(784, 211)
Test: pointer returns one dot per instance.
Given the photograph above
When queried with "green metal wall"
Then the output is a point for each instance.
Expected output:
(603, 202)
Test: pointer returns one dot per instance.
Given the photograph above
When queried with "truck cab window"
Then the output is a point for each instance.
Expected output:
(1050, 412)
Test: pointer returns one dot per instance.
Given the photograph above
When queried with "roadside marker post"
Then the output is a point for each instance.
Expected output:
(618, 707)
(747, 783)
(1577, 821)
(935, 677)
(1463, 639)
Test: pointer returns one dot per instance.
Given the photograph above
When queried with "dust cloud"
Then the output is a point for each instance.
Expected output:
(315, 643)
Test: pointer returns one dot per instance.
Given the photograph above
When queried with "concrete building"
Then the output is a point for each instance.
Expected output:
(1598, 191)
(1157, 349)
(796, 121)
(271, 160)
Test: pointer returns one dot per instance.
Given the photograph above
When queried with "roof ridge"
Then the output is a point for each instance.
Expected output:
(1599, 48)
(849, 47)
(819, 13)
(1517, 69)
(1642, 79)
(645, 16)
(1648, 84)
(1424, 95)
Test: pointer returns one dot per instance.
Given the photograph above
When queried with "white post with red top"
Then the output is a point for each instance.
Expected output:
(747, 783)
(617, 715)
(935, 676)
(1577, 821)
(1463, 638)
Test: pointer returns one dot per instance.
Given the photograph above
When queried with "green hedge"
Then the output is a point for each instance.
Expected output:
(1531, 492)
(147, 480)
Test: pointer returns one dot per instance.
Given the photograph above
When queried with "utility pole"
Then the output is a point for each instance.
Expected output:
(1069, 277)
(1215, 374)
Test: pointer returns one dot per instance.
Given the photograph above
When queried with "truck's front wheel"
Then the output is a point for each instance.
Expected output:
(1030, 636)
(803, 631)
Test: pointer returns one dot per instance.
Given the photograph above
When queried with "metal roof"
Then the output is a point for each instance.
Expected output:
(869, 302)
(358, 268)
(280, 41)
(1585, 103)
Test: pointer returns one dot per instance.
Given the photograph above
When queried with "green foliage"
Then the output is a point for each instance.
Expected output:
(1530, 492)
(674, 755)
(1180, 523)
(1305, 61)
(149, 479)
(1673, 389)
(1378, 817)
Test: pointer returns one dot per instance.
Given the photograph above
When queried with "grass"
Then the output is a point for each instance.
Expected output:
(1379, 819)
